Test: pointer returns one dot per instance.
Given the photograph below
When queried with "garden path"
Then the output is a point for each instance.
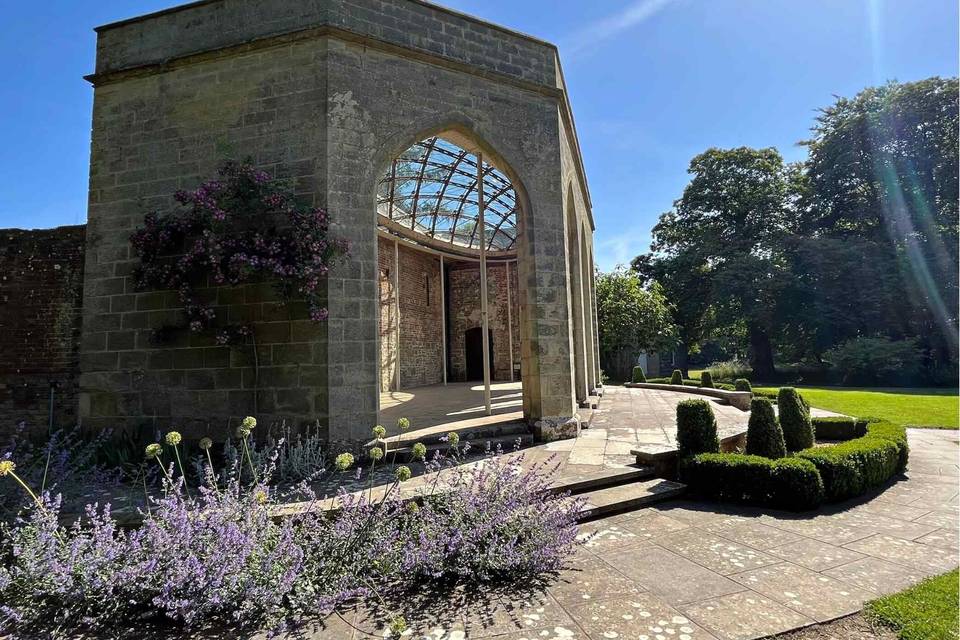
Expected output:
(690, 570)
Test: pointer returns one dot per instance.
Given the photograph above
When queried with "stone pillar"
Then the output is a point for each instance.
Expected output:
(575, 293)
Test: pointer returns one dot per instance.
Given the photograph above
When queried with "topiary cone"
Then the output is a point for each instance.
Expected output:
(696, 428)
(638, 375)
(676, 377)
(706, 380)
(764, 436)
(794, 420)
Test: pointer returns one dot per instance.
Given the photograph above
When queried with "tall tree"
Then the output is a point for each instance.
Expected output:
(685, 280)
(734, 216)
(883, 175)
(631, 319)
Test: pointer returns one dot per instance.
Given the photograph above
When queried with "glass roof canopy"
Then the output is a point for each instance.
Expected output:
(431, 189)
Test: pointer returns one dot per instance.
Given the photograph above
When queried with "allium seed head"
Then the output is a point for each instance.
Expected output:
(403, 424)
(249, 423)
(153, 450)
(260, 497)
(379, 432)
(412, 507)
(403, 473)
(344, 461)
(453, 437)
(376, 453)
(173, 438)
(398, 625)
(419, 451)
(7, 467)
(205, 443)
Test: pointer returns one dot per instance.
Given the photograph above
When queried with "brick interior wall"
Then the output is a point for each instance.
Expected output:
(421, 338)
(40, 298)
(464, 313)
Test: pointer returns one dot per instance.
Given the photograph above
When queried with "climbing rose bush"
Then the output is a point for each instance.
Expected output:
(220, 558)
(242, 226)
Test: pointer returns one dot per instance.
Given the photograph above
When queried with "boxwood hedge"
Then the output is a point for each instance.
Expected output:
(839, 428)
(806, 479)
(786, 483)
(850, 468)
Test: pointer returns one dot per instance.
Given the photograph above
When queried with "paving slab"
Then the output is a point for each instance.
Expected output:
(643, 616)
(813, 594)
(879, 576)
(814, 554)
(674, 578)
(906, 552)
(715, 553)
(744, 616)
(589, 580)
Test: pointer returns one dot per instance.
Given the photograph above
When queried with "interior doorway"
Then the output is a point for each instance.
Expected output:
(473, 346)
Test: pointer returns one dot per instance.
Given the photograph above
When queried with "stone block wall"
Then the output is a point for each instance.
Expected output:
(464, 310)
(41, 280)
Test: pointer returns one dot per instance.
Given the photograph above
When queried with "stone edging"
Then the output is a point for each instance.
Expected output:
(738, 399)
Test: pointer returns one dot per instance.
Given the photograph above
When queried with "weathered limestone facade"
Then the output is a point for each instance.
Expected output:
(326, 93)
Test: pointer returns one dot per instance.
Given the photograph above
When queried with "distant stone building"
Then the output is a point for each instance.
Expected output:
(395, 115)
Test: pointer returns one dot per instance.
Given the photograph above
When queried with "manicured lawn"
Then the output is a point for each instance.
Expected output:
(926, 611)
(935, 408)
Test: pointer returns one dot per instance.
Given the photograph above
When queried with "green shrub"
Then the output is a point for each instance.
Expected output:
(638, 375)
(730, 370)
(788, 483)
(850, 468)
(687, 382)
(874, 360)
(706, 380)
(742, 384)
(764, 437)
(794, 420)
(724, 386)
(839, 428)
(676, 377)
(696, 428)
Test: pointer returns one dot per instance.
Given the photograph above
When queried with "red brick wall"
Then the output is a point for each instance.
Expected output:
(421, 329)
(464, 309)
(40, 296)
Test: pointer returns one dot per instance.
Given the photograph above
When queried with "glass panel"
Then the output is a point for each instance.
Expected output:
(431, 188)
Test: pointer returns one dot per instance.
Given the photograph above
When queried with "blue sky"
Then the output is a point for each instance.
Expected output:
(653, 82)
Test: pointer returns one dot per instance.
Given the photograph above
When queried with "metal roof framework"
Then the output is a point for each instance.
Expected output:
(431, 189)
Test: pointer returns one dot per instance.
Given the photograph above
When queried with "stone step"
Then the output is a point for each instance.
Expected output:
(507, 442)
(627, 497)
(435, 435)
(584, 482)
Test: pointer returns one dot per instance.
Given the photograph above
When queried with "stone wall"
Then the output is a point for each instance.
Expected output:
(327, 94)
(421, 318)
(464, 310)
(40, 295)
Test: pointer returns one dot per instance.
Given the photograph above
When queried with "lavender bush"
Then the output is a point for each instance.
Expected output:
(219, 556)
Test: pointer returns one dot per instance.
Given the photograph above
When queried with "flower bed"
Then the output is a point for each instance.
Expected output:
(212, 555)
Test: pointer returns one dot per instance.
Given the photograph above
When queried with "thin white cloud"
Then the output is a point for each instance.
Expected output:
(620, 249)
(613, 25)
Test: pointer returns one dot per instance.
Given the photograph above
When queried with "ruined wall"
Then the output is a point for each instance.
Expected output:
(464, 310)
(41, 280)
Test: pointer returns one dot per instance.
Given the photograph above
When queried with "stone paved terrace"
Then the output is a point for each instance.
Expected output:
(692, 571)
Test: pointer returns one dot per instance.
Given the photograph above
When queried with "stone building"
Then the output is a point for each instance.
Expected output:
(408, 122)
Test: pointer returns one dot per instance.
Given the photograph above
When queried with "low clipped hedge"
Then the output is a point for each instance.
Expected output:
(788, 483)
(839, 428)
(807, 479)
(852, 467)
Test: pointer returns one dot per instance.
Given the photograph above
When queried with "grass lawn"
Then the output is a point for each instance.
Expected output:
(926, 611)
(935, 408)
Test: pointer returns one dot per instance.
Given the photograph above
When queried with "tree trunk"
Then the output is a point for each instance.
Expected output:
(682, 358)
(761, 353)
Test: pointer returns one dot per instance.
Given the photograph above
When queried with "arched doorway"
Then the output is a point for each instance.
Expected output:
(448, 230)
